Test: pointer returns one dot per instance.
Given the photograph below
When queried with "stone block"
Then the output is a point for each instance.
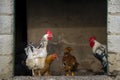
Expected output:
(114, 43)
(6, 6)
(113, 8)
(114, 24)
(114, 2)
(6, 44)
(6, 24)
(6, 66)
(114, 59)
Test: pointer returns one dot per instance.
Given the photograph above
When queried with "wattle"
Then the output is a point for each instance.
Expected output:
(92, 44)
(49, 38)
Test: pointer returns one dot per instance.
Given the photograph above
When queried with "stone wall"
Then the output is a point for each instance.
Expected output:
(6, 37)
(114, 35)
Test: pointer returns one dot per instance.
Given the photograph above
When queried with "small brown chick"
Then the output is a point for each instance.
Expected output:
(46, 70)
(70, 63)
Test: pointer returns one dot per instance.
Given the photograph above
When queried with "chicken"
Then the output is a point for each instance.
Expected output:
(69, 62)
(42, 48)
(46, 70)
(36, 56)
(31, 54)
(99, 51)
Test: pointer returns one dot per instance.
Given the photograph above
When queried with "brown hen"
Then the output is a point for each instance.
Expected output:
(70, 63)
(46, 70)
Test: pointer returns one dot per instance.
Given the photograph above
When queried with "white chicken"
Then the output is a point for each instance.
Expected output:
(36, 56)
(31, 55)
(99, 51)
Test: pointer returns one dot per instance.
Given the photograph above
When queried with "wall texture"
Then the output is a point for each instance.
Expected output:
(114, 35)
(6, 37)
(72, 23)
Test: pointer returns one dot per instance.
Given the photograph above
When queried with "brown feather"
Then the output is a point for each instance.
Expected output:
(46, 70)
(69, 61)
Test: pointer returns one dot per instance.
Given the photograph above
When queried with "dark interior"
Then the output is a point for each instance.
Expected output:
(73, 21)
(20, 38)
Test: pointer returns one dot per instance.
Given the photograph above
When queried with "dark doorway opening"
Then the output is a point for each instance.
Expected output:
(79, 18)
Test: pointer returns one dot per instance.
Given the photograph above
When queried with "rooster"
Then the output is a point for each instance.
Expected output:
(70, 63)
(99, 51)
(36, 56)
(46, 70)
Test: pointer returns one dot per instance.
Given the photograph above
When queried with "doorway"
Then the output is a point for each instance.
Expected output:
(72, 23)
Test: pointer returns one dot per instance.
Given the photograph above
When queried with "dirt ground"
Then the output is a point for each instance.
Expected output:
(97, 77)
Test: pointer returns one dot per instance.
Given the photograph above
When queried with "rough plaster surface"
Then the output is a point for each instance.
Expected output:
(6, 38)
(75, 38)
(114, 24)
(6, 66)
(113, 1)
(6, 7)
(114, 35)
(113, 6)
(6, 44)
(113, 43)
(114, 65)
(72, 23)
(6, 24)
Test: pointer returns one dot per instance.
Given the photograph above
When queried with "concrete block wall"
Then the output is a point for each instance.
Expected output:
(114, 35)
(6, 37)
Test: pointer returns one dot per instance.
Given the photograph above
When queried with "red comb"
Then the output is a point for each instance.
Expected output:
(48, 32)
(92, 38)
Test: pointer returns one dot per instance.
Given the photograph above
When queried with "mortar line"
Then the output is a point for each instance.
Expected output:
(6, 14)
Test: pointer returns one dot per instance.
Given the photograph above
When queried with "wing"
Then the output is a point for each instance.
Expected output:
(40, 45)
(31, 51)
(102, 57)
(100, 54)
